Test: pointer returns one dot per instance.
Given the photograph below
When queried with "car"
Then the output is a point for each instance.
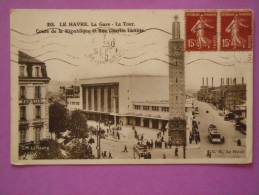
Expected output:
(241, 126)
(221, 114)
(216, 137)
(212, 127)
(229, 116)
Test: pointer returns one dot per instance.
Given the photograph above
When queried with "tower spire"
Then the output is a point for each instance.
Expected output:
(176, 28)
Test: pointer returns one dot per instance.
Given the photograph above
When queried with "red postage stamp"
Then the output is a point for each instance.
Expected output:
(236, 30)
(201, 31)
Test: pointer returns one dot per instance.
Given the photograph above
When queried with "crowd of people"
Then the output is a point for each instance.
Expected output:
(106, 154)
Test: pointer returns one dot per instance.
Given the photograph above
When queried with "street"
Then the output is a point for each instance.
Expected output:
(229, 148)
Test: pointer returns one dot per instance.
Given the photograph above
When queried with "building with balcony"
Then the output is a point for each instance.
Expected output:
(33, 104)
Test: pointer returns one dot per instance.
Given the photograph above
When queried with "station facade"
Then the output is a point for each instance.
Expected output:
(139, 100)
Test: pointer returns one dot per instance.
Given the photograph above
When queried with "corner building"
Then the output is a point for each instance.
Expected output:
(33, 103)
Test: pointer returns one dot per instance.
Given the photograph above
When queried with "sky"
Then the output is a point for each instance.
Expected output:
(85, 55)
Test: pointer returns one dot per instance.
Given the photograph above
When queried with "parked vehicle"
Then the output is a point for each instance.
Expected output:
(229, 116)
(241, 125)
(216, 138)
(211, 128)
(221, 114)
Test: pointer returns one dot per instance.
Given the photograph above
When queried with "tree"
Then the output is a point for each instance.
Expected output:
(52, 152)
(81, 150)
(58, 118)
(78, 124)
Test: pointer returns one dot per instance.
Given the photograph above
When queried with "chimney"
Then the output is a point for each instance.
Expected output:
(211, 81)
(202, 81)
(207, 81)
(243, 80)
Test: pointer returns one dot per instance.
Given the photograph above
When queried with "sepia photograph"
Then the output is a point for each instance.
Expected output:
(131, 86)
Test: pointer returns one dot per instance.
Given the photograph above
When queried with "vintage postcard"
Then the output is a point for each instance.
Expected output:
(131, 86)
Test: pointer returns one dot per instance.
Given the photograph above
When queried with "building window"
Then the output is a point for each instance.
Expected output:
(22, 71)
(176, 80)
(165, 109)
(95, 99)
(155, 108)
(37, 71)
(37, 92)
(84, 97)
(145, 107)
(22, 92)
(37, 134)
(37, 112)
(102, 98)
(22, 113)
(23, 135)
(109, 99)
(89, 98)
(137, 107)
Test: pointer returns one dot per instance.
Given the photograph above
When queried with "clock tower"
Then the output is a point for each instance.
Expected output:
(177, 122)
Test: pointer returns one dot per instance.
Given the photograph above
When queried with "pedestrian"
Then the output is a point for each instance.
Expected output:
(208, 154)
(125, 149)
(176, 152)
(118, 134)
(198, 136)
(149, 155)
(195, 138)
(190, 139)
(110, 155)
(238, 142)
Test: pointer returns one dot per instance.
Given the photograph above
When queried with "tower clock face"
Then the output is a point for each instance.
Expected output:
(177, 50)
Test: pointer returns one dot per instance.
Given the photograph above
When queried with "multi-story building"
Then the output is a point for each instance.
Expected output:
(140, 100)
(72, 97)
(111, 98)
(33, 104)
